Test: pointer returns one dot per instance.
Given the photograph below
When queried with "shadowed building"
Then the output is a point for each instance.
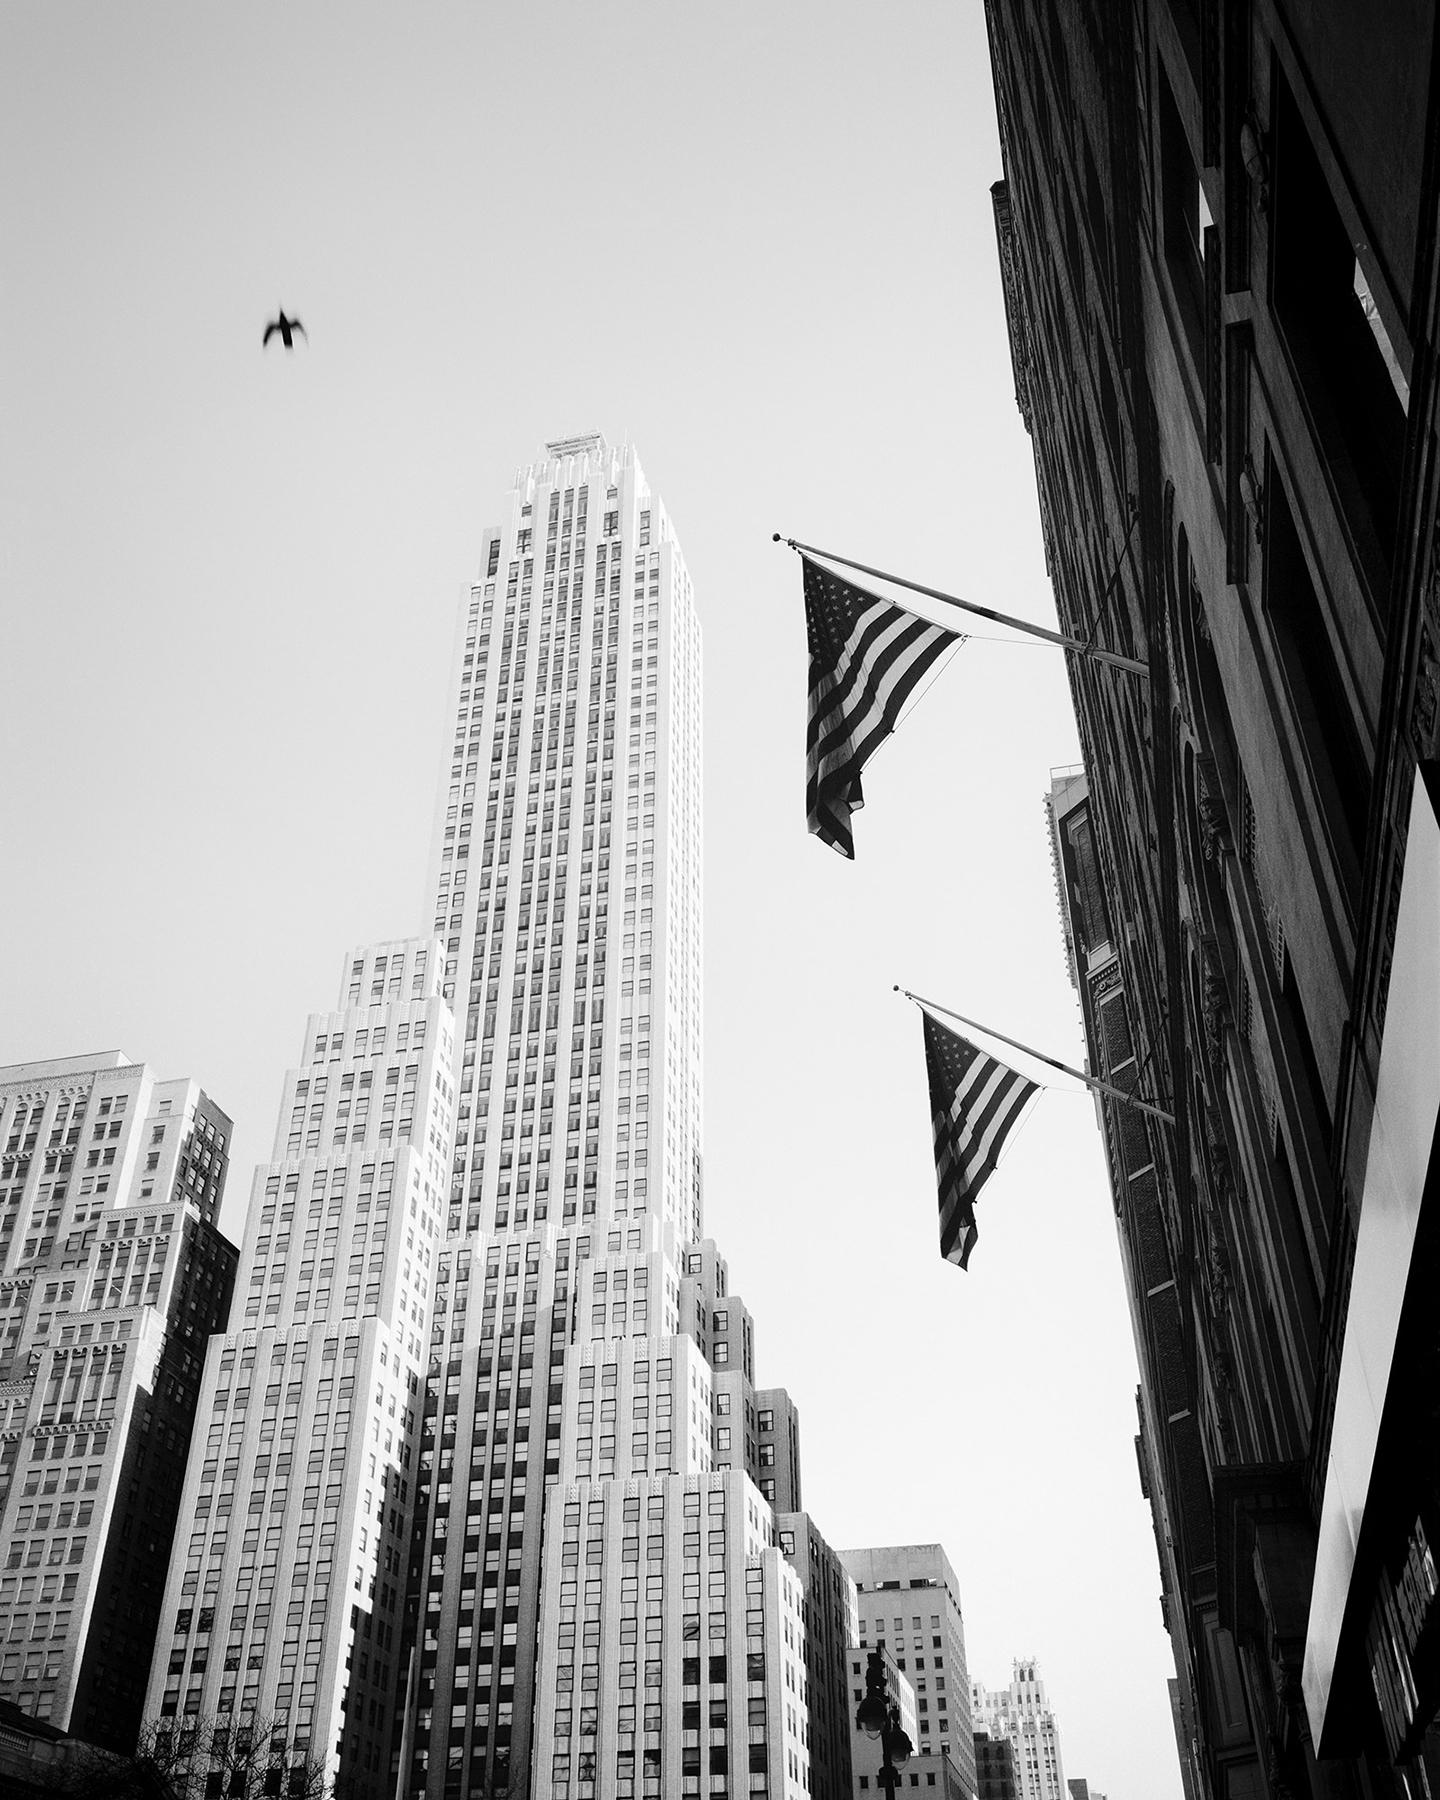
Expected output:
(112, 1276)
(994, 1768)
(1217, 239)
(830, 1629)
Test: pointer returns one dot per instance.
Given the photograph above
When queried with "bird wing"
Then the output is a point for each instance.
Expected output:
(295, 325)
(270, 331)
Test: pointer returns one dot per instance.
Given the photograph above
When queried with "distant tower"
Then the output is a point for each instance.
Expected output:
(112, 1275)
(1021, 1714)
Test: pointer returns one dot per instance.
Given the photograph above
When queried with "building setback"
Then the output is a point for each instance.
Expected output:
(1217, 239)
(598, 1601)
(282, 1615)
(112, 1276)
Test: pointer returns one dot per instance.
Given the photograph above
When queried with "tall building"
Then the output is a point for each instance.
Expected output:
(908, 1598)
(1217, 243)
(599, 1604)
(283, 1612)
(1021, 1715)
(112, 1276)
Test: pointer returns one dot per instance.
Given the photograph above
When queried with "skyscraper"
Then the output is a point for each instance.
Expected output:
(112, 1276)
(1021, 1715)
(281, 1623)
(599, 1602)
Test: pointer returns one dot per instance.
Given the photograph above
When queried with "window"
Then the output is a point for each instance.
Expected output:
(1185, 220)
(1322, 709)
(1343, 361)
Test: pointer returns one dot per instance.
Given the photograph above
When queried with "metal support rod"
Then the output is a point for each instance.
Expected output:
(1130, 664)
(1091, 1081)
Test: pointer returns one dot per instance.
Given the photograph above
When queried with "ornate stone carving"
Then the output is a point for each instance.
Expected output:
(1220, 1168)
(1215, 837)
(1214, 1002)
(1425, 701)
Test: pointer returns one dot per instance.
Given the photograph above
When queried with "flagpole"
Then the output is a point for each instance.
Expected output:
(1092, 1081)
(1081, 648)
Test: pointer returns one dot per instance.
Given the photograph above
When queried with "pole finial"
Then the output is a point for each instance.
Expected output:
(774, 537)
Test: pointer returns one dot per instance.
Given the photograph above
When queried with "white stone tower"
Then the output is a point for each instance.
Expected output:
(1021, 1713)
(600, 1604)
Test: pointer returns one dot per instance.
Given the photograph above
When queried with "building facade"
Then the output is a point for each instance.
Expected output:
(1093, 959)
(599, 1602)
(994, 1767)
(899, 1690)
(1217, 240)
(908, 1599)
(283, 1612)
(1021, 1715)
(831, 1627)
(112, 1276)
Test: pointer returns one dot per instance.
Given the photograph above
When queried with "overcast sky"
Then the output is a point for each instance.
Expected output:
(756, 241)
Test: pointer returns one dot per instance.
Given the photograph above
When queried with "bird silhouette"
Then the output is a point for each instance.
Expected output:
(287, 329)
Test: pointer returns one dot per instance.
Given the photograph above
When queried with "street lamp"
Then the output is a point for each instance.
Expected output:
(879, 1717)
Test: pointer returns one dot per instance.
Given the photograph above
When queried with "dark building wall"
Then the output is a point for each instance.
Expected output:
(1217, 237)
(829, 1618)
(110, 1686)
(995, 1775)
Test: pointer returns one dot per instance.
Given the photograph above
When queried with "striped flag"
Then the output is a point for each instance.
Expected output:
(974, 1101)
(866, 657)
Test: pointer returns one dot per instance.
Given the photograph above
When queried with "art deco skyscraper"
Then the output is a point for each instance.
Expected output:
(1021, 1714)
(281, 1625)
(567, 872)
(600, 1604)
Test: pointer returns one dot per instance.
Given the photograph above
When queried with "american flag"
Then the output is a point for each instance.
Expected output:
(974, 1101)
(866, 656)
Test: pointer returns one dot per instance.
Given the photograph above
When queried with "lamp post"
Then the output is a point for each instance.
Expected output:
(879, 1717)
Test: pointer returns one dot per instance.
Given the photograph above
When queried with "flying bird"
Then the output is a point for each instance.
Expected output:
(287, 329)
